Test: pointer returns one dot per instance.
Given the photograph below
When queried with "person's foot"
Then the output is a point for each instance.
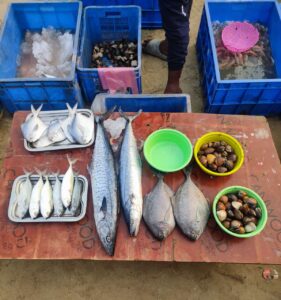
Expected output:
(173, 89)
(156, 48)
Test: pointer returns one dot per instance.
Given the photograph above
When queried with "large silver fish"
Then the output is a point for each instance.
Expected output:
(66, 123)
(43, 141)
(23, 195)
(34, 205)
(158, 210)
(76, 196)
(33, 127)
(130, 178)
(191, 208)
(58, 205)
(82, 128)
(104, 189)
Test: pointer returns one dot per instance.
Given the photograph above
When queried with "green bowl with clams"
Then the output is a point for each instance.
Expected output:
(260, 203)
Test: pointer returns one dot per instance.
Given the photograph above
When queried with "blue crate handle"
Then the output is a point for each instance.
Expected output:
(112, 14)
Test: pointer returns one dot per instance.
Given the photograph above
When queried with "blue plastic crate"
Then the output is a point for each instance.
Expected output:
(150, 103)
(20, 93)
(151, 17)
(106, 23)
(223, 92)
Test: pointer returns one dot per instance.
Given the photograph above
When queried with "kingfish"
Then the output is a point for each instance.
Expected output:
(76, 196)
(33, 127)
(34, 206)
(191, 208)
(104, 189)
(46, 199)
(82, 128)
(23, 193)
(67, 184)
(58, 205)
(130, 178)
(158, 211)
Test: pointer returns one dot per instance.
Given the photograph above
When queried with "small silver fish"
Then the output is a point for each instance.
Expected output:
(33, 127)
(82, 128)
(66, 123)
(23, 196)
(76, 196)
(58, 205)
(191, 209)
(130, 178)
(46, 199)
(67, 184)
(34, 206)
(55, 133)
(158, 210)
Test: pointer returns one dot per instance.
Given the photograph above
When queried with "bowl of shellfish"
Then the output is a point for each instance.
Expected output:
(218, 154)
(240, 212)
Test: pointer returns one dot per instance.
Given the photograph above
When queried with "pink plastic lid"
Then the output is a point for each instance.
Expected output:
(240, 36)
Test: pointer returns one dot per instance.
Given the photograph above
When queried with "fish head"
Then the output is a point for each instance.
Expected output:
(108, 239)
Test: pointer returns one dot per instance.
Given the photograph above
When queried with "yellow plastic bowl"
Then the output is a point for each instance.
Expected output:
(215, 137)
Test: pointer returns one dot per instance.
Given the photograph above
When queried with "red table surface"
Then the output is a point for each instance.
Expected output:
(261, 172)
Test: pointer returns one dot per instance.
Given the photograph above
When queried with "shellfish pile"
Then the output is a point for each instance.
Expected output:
(121, 53)
(256, 63)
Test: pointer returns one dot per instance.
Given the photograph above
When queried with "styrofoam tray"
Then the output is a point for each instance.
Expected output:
(47, 117)
(66, 217)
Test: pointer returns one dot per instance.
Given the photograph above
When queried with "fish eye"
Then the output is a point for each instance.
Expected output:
(108, 238)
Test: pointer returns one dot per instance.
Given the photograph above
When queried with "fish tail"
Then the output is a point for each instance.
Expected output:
(187, 170)
(71, 161)
(73, 110)
(129, 118)
(26, 172)
(102, 117)
(159, 175)
(36, 112)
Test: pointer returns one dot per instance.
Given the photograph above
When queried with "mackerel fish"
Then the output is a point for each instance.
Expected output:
(104, 189)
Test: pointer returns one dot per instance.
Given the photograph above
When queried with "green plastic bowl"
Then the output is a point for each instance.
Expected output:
(233, 189)
(168, 150)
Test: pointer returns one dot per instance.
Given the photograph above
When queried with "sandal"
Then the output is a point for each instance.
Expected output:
(151, 47)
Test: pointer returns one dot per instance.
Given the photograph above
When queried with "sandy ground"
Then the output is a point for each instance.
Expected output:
(138, 280)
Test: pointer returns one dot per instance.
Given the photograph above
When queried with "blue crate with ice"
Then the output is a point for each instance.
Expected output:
(38, 51)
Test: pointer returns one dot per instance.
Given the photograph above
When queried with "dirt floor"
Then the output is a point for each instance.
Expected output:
(122, 280)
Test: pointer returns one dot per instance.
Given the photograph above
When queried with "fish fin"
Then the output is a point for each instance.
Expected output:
(102, 117)
(68, 107)
(104, 207)
(129, 118)
(33, 110)
(71, 161)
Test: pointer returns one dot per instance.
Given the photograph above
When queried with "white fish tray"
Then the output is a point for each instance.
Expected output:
(47, 117)
(66, 217)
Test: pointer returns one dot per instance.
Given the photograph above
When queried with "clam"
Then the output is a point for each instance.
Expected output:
(235, 224)
(236, 204)
(220, 206)
(224, 199)
(221, 215)
(238, 214)
(211, 158)
(250, 227)
(258, 212)
(222, 169)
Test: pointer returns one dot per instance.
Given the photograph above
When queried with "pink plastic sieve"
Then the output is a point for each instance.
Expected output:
(239, 36)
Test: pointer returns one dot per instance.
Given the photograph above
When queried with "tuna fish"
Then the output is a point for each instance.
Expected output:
(191, 209)
(46, 199)
(82, 128)
(157, 210)
(130, 178)
(58, 205)
(76, 196)
(34, 206)
(23, 195)
(33, 127)
(67, 184)
(104, 189)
